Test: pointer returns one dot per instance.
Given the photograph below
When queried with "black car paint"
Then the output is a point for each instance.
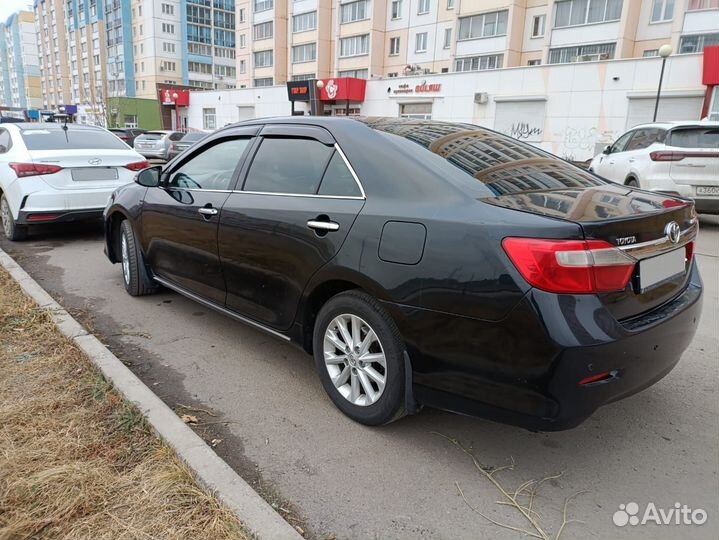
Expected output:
(478, 337)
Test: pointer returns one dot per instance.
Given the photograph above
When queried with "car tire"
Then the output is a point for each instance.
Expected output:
(632, 182)
(135, 277)
(346, 377)
(12, 230)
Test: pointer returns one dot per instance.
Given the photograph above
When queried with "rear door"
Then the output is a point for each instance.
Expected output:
(696, 154)
(298, 202)
(612, 162)
(180, 218)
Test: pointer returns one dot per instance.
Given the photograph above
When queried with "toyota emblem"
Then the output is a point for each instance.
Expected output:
(94, 161)
(673, 232)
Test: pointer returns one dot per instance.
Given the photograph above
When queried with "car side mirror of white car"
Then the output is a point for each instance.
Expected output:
(149, 177)
(607, 149)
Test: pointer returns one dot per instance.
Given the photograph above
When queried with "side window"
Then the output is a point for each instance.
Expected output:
(642, 139)
(5, 141)
(338, 179)
(213, 168)
(621, 142)
(176, 136)
(288, 165)
(658, 136)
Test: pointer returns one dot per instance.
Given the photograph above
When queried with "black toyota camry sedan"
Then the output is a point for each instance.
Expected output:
(422, 263)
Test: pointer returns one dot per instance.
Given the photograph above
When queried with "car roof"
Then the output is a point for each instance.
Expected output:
(677, 123)
(53, 126)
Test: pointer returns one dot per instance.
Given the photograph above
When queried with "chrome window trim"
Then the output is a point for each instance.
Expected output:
(661, 245)
(352, 171)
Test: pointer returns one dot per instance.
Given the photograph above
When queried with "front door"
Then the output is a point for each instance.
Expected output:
(298, 203)
(180, 219)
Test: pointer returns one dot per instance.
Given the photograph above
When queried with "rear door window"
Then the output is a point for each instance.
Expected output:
(177, 136)
(288, 165)
(696, 137)
(72, 139)
(338, 180)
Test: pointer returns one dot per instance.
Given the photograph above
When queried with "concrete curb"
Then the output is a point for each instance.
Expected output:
(210, 471)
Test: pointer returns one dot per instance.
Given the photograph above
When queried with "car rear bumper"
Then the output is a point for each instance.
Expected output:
(526, 370)
(150, 153)
(36, 218)
(707, 205)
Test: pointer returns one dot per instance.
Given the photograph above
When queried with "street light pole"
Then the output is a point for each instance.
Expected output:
(175, 95)
(664, 51)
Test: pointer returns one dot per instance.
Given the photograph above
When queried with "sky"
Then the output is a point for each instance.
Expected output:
(8, 7)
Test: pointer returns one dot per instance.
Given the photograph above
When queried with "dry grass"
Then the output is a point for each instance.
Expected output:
(75, 460)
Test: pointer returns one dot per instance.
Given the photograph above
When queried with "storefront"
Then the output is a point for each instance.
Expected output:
(327, 97)
(174, 102)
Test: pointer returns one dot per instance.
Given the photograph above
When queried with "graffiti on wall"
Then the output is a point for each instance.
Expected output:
(524, 131)
(584, 143)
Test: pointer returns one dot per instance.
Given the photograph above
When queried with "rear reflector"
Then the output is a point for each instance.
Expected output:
(570, 266)
(42, 217)
(690, 252)
(138, 166)
(596, 378)
(24, 170)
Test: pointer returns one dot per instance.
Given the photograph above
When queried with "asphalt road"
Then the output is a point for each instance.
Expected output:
(400, 481)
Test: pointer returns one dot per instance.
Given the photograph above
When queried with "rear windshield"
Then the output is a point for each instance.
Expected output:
(696, 137)
(72, 139)
(191, 137)
(153, 135)
(501, 164)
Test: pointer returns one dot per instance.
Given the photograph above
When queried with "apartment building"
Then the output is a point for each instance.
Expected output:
(281, 40)
(19, 63)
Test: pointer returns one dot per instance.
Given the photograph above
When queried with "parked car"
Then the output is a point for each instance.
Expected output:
(421, 263)
(176, 148)
(680, 158)
(50, 172)
(156, 144)
(127, 135)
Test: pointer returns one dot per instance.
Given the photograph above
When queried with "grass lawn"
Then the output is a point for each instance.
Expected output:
(76, 461)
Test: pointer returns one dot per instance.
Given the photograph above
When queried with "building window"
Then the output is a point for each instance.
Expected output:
(396, 9)
(393, 46)
(209, 118)
(354, 46)
(534, 63)
(199, 67)
(447, 38)
(479, 63)
(662, 10)
(242, 15)
(423, 7)
(697, 43)
(538, 25)
(199, 15)
(353, 11)
(304, 77)
(354, 73)
(130, 120)
(577, 12)
(419, 111)
(264, 5)
(263, 31)
(304, 53)
(583, 53)
(702, 4)
(420, 42)
(168, 28)
(484, 25)
(714, 105)
(450, 4)
(263, 59)
(265, 81)
(243, 66)
(168, 9)
(243, 41)
(304, 22)
(649, 53)
(225, 71)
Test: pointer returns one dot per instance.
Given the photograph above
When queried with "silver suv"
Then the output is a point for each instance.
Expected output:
(156, 144)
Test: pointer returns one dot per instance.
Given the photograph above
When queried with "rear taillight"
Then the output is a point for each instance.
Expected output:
(23, 170)
(663, 155)
(173, 147)
(138, 166)
(570, 266)
(690, 252)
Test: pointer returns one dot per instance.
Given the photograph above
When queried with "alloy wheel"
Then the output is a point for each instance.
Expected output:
(125, 258)
(5, 216)
(355, 359)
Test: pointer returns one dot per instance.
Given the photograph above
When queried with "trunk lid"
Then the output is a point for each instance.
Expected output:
(87, 169)
(637, 222)
(695, 156)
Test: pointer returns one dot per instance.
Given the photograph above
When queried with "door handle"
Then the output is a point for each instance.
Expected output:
(631, 160)
(611, 163)
(323, 225)
(208, 211)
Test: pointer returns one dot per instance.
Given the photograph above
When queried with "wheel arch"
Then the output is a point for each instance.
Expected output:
(113, 224)
(632, 176)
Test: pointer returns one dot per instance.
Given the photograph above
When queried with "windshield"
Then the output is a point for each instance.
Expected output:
(695, 137)
(152, 135)
(500, 163)
(72, 139)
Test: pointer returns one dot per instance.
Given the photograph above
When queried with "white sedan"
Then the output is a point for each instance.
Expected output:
(673, 157)
(52, 172)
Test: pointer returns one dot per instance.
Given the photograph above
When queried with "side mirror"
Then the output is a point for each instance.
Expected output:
(607, 149)
(149, 177)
